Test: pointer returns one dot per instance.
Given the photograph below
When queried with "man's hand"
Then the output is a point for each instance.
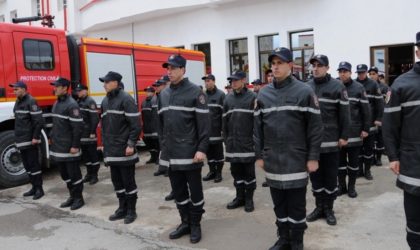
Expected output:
(35, 141)
(129, 151)
(312, 166)
(342, 143)
(377, 123)
(199, 157)
(364, 134)
(92, 136)
(260, 163)
(395, 166)
(74, 151)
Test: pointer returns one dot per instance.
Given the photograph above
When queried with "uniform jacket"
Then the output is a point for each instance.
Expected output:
(287, 132)
(67, 129)
(150, 117)
(28, 121)
(90, 117)
(376, 101)
(238, 126)
(215, 100)
(335, 111)
(384, 89)
(359, 112)
(400, 128)
(183, 125)
(120, 127)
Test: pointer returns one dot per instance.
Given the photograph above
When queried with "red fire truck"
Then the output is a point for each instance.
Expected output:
(39, 55)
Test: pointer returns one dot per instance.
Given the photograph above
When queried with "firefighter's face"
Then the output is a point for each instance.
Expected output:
(362, 75)
(209, 84)
(60, 90)
(237, 85)
(150, 94)
(319, 70)
(82, 93)
(111, 85)
(19, 92)
(281, 69)
(344, 75)
(175, 74)
(270, 77)
(373, 75)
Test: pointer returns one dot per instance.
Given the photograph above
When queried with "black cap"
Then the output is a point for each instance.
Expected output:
(149, 89)
(19, 84)
(80, 87)
(175, 61)
(237, 75)
(111, 76)
(283, 53)
(373, 68)
(61, 82)
(361, 68)
(208, 76)
(418, 39)
(344, 65)
(257, 82)
(321, 59)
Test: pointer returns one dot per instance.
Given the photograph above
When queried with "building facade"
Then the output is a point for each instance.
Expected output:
(239, 34)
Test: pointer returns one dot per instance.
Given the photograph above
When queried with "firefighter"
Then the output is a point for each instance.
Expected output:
(89, 140)
(215, 157)
(184, 131)
(376, 103)
(228, 88)
(120, 130)
(150, 122)
(359, 129)
(28, 126)
(287, 144)
(402, 142)
(65, 142)
(269, 76)
(379, 142)
(257, 83)
(335, 115)
(238, 123)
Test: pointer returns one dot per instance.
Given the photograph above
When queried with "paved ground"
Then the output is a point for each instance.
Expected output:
(375, 220)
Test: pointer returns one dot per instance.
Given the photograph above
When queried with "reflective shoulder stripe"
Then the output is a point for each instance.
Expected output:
(329, 144)
(286, 177)
(65, 155)
(89, 110)
(132, 114)
(392, 109)
(22, 144)
(410, 103)
(238, 110)
(122, 158)
(181, 161)
(240, 155)
(409, 180)
(59, 116)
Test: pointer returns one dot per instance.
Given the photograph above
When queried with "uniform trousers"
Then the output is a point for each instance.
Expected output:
(324, 180)
(72, 176)
(31, 165)
(243, 175)
(411, 207)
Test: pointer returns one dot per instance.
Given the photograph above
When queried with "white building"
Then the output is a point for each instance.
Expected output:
(240, 33)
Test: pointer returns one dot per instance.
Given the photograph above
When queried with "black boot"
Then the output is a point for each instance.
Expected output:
(183, 228)
(195, 235)
(212, 173)
(94, 175)
(67, 203)
(218, 173)
(368, 174)
(153, 157)
(88, 175)
(378, 159)
(239, 200)
(159, 172)
(352, 186)
(31, 192)
(342, 187)
(170, 196)
(296, 239)
(78, 202)
(283, 242)
(39, 192)
(121, 211)
(329, 213)
(264, 184)
(249, 200)
(131, 210)
(318, 211)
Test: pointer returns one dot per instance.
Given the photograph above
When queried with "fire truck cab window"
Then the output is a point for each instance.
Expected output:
(38, 55)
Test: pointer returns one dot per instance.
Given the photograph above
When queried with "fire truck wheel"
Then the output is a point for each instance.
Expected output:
(12, 172)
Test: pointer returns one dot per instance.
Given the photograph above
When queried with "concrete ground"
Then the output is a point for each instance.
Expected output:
(374, 220)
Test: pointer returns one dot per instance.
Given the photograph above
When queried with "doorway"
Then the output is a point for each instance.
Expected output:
(392, 60)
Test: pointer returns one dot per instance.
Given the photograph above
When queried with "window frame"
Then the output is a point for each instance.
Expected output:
(260, 52)
(38, 40)
(301, 49)
(231, 56)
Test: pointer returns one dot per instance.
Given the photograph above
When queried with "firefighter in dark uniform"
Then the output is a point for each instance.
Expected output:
(150, 122)
(65, 142)
(90, 115)
(120, 130)
(28, 126)
(335, 114)
(402, 142)
(376, 103)
(215, 157)
(238, 123)
(287, 134)
(228, 88)
(258, 84)
(184, 131)
(379, 142)
(359, 129)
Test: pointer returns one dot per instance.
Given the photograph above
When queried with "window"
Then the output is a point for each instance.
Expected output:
(302, 45)
(238, 54)
(38, 55)
(266, 44)
(205, 48)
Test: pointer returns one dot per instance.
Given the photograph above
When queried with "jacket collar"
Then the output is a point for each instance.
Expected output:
(179, 85)
(211, 92)
(348, 83)
(282, 84)
(23, 98)
(324, 79)
(62, 98)
(243, 90)
(113, 92)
